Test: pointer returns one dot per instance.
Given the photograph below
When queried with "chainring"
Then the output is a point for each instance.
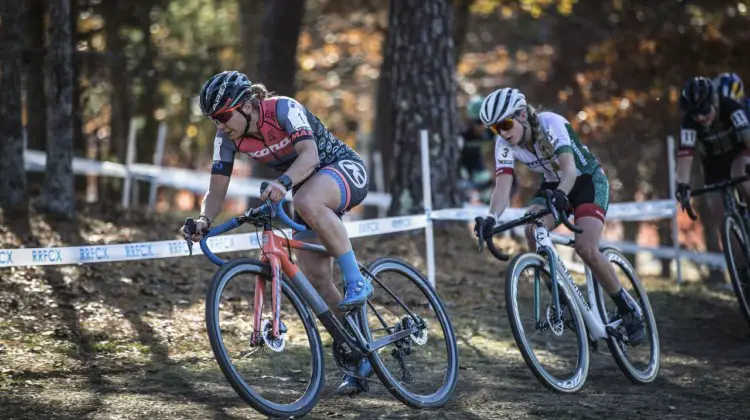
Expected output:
(346, 363)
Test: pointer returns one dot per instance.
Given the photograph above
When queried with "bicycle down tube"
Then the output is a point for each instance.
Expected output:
(596, 328)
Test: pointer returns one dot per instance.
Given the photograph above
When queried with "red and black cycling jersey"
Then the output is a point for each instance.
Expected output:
(283, 123)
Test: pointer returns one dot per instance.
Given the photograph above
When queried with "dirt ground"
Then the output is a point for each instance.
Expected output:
(128, 340)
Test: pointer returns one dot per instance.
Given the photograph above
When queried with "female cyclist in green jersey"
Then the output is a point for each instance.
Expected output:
(546, 143)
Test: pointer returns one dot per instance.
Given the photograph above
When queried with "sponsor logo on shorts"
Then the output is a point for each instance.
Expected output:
(355, 172)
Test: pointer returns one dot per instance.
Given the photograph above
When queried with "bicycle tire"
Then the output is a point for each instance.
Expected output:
(635, 375)
(311, 396)
(443, 394)
(732, 224)
(575, 381)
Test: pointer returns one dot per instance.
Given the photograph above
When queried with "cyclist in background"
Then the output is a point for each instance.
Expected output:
(729, 85)
(716, 127)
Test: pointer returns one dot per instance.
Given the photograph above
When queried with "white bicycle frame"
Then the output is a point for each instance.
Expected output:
(544, 245)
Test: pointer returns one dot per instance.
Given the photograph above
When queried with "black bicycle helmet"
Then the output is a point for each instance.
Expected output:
(697, 95)
(223, 91)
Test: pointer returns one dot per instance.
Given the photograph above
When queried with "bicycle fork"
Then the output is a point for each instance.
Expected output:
(260, 287)
(553, 285)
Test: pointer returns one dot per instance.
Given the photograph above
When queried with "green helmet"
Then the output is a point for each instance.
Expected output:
(473, 107)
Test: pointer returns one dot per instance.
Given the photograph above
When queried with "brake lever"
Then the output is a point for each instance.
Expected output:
(480, 236)
(190, 229)
(271, 208)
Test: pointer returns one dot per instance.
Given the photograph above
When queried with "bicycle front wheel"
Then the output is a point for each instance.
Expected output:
(734, 243)
(278, 376)
(420, 370)
(555, 348)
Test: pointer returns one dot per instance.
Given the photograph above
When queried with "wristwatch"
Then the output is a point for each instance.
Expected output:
(285, 181)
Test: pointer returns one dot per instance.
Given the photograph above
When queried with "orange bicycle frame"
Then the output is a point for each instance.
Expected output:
(274, 253)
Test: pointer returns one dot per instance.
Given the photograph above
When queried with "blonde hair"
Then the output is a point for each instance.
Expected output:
(539, 136)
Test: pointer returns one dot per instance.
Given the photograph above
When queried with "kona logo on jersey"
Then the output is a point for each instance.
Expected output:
(272, 148)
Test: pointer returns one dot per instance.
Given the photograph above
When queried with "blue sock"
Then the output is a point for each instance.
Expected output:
(349, 267)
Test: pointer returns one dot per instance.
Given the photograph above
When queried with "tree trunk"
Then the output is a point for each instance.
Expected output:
(58, 195)
(383, 130)
(120, 95)
(79, 141)
(146, 144)
(280, 29)
(277, 59)
(423, 97)
(462, 17)
(36, 127)
(250, 21)
(13, 196)
(146, 139)
(80, 145)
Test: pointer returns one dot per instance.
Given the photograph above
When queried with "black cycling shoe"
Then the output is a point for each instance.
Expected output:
(634, 327)
(352, 385)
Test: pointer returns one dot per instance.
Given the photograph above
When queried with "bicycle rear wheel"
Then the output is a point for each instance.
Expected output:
(734, 242)
(292, 387)
(559, 360)
(404, 366)
(640, 364)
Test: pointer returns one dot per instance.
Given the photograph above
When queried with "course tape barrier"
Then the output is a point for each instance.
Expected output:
(91, 254)
(248, 241)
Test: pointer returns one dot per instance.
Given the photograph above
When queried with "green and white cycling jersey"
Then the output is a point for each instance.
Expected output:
(562, 138)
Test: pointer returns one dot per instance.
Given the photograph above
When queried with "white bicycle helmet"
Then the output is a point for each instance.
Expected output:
(501, 104)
